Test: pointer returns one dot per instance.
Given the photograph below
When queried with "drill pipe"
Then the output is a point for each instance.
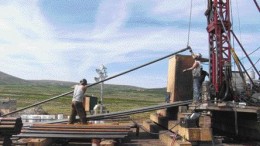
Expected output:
(125, 72)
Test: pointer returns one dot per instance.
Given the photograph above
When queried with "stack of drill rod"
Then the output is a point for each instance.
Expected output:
(9, 127)
(89, 131)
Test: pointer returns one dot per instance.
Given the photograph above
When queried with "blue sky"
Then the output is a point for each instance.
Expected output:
(68, 39)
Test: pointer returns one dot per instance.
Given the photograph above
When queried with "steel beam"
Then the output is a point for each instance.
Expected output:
(70, 136)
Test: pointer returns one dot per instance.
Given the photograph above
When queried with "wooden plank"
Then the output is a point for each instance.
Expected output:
(168, 139)
(179, 84)
(181, 143)
(191, 134)
(170, 113)
(107, 142)
(196, 134)
(173, 125)
(39, 142)
(205, 134)
(171, 73)
(89, 103)
(150, 126)
(86, 104)
(205, 121)
(162, 112)
(165, 137)
(159, 119)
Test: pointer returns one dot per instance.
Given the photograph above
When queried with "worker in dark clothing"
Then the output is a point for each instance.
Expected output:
(77, 103)
(196, 76)
(203, 74)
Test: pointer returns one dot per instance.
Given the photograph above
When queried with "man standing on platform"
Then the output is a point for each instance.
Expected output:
(77, 103)
(196, 76)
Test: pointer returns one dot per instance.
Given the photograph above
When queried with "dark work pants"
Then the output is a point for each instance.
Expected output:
(77, 108)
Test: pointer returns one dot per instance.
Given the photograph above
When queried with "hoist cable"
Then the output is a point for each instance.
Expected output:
(254, 64)
(239, 26)
(188, 41)
(109, 78)
(233, 40)
(245, 53)
(251, 53)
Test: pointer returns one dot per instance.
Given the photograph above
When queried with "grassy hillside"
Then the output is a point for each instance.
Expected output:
(6, 79)
(116, 97)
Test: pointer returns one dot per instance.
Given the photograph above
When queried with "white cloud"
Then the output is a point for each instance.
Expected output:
(180, 10)
(27, 39)
(110, 17)
(30, 48)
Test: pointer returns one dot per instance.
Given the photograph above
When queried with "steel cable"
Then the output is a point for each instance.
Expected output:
(188, 41)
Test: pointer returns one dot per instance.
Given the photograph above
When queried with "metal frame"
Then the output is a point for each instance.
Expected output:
(219, 48)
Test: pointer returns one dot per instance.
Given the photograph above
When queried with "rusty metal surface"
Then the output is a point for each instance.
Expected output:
(10, 126)
(76, 131)
(80, 126)
(71, 136)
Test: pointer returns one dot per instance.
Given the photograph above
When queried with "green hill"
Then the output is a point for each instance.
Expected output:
(116, 97)
(6, 79)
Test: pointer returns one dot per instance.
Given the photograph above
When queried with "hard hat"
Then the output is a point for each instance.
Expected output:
(198, 55)
(83, 82)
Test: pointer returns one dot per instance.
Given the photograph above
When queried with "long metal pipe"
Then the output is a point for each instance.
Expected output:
(257, 5)
(74, 132)
(71, 136)
(130, 112)
(125, 72)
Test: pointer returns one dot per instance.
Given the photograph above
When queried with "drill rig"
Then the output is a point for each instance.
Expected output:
(221, 51)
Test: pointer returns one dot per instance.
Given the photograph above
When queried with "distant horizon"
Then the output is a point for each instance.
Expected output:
(72, 82)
